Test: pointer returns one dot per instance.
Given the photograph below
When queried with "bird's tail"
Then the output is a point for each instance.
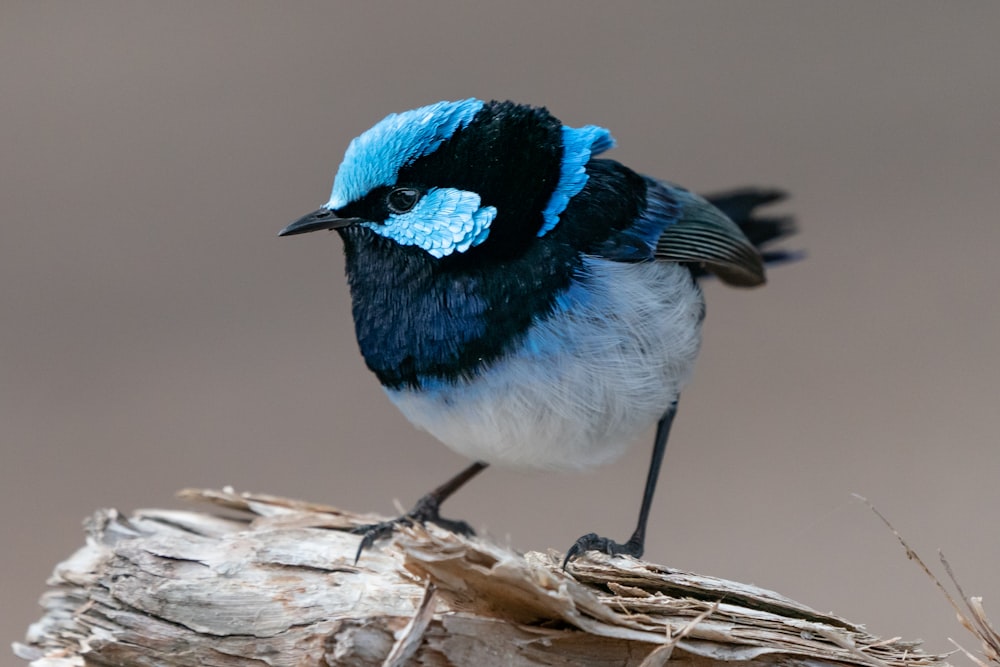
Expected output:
(740, 206)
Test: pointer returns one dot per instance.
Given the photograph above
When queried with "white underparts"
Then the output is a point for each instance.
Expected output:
(587, 381)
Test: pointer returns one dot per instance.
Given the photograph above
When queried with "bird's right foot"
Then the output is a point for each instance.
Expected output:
(425, 511)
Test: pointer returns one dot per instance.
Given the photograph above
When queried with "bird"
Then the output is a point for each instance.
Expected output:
(526, 302)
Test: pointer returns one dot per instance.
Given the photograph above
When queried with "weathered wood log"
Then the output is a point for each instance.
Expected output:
(271, 581)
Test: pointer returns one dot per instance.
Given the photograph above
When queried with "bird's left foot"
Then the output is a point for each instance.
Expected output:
(594, 542)
(425, 511)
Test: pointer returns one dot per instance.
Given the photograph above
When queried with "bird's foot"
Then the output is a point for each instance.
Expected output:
(594, 542)
(425, 511)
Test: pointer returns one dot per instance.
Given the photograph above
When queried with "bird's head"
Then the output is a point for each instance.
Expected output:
(457, 176)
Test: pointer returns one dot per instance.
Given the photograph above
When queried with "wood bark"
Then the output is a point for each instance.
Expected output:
(267, 581)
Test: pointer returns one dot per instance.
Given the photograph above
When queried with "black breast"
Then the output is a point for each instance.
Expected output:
(421, 320)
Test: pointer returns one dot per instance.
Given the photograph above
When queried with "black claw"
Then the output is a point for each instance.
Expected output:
(594, 542)
(373, 532)
(425, 511)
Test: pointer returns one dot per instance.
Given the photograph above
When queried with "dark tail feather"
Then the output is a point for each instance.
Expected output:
(739, 206)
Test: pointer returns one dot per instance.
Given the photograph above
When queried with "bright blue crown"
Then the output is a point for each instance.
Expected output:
(375, 157)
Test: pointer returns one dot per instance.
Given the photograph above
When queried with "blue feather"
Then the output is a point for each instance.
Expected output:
(374, 158)
(579, 145)
(445, 220)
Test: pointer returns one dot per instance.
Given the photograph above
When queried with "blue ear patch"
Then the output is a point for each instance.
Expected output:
(445, 220)
(375, 157)
(579, 145)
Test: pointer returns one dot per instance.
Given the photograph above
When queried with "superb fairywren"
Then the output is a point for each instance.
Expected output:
(522, 300)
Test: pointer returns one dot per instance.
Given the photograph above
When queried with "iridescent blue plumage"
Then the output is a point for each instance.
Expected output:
(521, 299)
(375, 157)
(579, 145)
(445, 220)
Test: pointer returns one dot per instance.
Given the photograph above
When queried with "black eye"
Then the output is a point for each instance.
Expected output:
(401, 200)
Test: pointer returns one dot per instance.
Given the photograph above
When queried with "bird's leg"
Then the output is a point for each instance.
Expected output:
(636, 543)
(424, 511)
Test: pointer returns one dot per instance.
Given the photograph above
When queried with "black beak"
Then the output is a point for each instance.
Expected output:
(324, 218)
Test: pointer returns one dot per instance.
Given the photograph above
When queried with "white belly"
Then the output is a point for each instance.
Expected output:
(587, 381)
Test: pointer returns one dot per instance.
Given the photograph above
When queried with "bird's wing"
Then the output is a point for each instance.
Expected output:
(721, 235)
(703, 235)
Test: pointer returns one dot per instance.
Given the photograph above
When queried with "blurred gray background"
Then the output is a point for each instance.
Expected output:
(157, 334)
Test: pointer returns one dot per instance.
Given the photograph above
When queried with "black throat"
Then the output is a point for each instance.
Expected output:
(421, 320)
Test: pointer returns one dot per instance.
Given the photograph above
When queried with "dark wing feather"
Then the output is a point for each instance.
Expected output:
(705, 237)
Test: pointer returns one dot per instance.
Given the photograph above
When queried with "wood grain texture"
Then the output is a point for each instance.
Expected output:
(266, 581)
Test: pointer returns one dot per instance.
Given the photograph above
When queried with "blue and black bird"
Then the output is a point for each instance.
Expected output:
(524, 301)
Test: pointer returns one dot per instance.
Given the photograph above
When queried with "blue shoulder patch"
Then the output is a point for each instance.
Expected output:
(579, 145)
(375, 157)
